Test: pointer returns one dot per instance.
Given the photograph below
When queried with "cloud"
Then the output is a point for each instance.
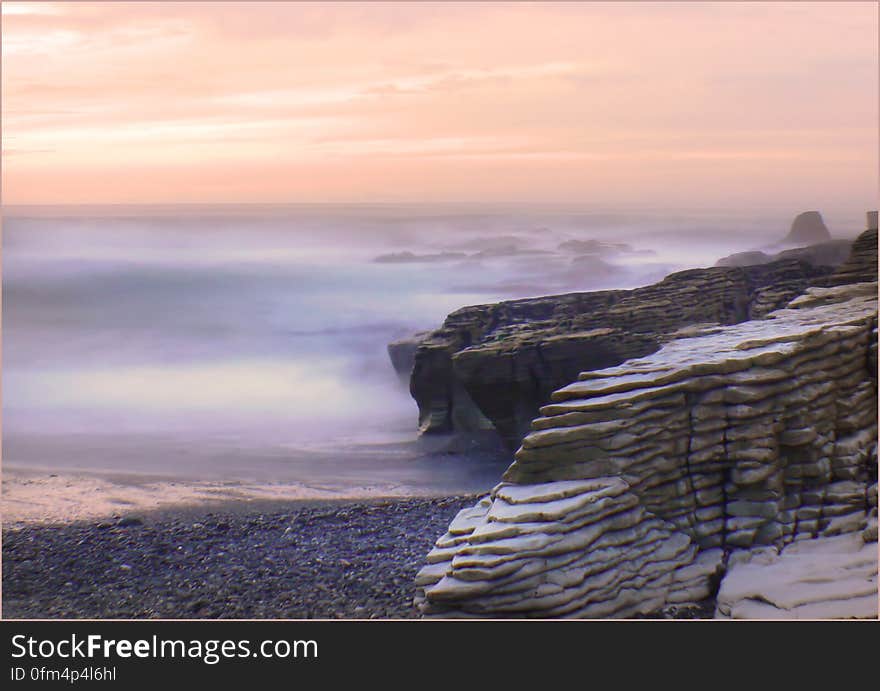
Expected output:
(438, 98)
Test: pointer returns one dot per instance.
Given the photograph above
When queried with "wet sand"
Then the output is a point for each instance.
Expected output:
(33, 494)
(99, 544)
(93, 545)
(37, 497)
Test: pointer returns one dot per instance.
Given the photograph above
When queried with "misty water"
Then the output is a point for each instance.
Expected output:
(251, 342)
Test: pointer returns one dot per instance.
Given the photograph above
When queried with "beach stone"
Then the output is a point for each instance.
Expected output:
(129, 522)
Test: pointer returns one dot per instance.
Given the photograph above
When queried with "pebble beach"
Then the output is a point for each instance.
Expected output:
(296, 560)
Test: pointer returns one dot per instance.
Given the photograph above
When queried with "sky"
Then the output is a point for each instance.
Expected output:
(674, 105)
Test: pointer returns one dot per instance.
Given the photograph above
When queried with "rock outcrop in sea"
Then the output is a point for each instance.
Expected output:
(495, 365)
(402, 354)
(744, 454)
(808, 228)
(831, 253)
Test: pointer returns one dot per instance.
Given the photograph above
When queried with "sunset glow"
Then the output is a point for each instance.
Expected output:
(665, 104)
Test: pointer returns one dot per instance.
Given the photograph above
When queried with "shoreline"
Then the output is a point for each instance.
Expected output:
(289, 560)
(40, 498)
(304, 559)
(326, 557)
(34, 495)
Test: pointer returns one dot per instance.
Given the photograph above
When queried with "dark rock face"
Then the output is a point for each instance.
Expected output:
(860, 267)
(831, 253)
(808, 228)
(402, 354)
(745, 259)
(500, 362)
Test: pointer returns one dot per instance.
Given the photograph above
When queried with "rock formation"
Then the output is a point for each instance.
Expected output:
(831, 253)
(562, 549)
(748, 258)
(638, 481)
(861, 264)
(402, 354)
(595, 247)
(497, 364)
(807, 228)
(824, 578)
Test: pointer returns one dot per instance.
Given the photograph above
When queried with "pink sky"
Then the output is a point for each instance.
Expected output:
(755, 105)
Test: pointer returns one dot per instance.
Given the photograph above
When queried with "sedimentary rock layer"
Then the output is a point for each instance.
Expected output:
(746, 435)
(829, 577)
(637, 479)
(562, 549)
(494, 365)
(861, 265)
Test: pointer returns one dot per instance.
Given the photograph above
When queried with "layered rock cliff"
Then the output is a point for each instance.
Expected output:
(637, 482)
(861, 264)
(495, 365)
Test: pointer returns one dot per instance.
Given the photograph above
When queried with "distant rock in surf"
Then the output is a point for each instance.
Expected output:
(750, 258)
(487, 243)
(831, 253)
(807, 228)
(594, 247)
(593, 269)
(411, 258)
(506, 251)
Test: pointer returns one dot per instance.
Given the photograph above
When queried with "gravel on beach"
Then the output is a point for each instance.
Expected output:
(345, 560)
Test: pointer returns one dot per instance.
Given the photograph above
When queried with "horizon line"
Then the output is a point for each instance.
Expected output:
(549, 205)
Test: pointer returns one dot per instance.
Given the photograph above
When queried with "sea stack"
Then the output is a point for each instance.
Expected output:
(808, 228)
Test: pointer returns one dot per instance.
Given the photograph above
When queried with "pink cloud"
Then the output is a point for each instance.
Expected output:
(337, 101)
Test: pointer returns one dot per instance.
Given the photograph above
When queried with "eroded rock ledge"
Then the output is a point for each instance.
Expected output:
(494, 365)
(637, 482)
(862, 262)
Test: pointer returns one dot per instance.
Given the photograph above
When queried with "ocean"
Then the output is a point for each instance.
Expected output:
(249, 342)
